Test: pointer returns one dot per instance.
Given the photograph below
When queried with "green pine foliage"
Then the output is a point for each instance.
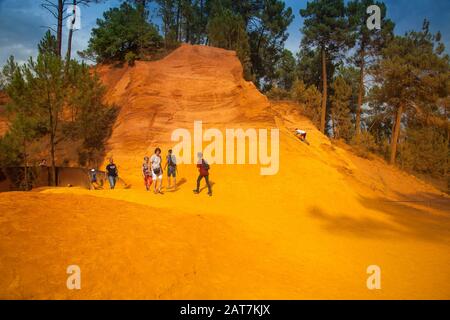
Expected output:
(326, 28)
(340, 109)
(123, 30)
(286, 71)
(227, 30)
(309, 99)
(55, 100)
(425, 149)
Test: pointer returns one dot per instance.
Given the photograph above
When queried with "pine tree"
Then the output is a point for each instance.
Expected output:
(286, 70)
(24, 127)
(369, 44)
(42, 91)
(309, 98)
(226, 30)
(122, 30)
(340, 111)
(57, 9)
(327, 29)
(168, 11)
(267, 31)
(412, 78)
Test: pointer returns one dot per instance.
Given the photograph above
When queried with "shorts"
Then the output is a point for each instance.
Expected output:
(172, 172)
(159, 176)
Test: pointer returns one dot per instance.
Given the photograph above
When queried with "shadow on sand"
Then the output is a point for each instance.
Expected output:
(179, 184)
(212, 183)
(415, 217)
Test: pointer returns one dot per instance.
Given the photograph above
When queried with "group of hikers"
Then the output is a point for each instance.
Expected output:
(152, 172)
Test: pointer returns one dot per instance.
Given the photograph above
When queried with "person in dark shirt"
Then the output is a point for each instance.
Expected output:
(171, 165)
(203, 168)
(112, 173)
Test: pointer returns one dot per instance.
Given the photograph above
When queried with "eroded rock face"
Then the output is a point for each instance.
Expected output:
(192, 83)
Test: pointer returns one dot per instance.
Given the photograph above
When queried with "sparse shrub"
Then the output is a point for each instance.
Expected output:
(130, 58)
(424, 150)
(364, 145)
(277, 93)
(309, 99)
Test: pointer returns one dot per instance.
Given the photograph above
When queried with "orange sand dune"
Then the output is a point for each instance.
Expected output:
(193, 83)
(309, 231)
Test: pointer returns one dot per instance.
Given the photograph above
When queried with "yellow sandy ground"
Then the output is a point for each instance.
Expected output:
(308, 232)
(305, 233)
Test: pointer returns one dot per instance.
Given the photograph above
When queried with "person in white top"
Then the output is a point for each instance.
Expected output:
(301, 134)
(157, 172)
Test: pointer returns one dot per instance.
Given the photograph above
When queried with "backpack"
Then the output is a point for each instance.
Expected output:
(205, 165)
(170, 161)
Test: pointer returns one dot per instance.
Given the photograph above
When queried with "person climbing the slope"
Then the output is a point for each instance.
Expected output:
(203, 169)
(157, 172)
(112, 173)
(171, 165)
(301, 134)
(147, 173)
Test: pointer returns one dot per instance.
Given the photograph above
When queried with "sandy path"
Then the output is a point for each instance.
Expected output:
(211, 248)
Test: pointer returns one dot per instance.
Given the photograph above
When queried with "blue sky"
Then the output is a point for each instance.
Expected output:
(23, 23)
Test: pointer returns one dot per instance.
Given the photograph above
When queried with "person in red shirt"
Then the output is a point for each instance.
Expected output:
(203, 169)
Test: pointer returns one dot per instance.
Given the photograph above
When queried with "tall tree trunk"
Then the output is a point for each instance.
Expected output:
(202, 27)
(188, 32)
(335, 129)
(324, 91)
(396, 133)
(52, 151)
(69, 44)
(25, 160)
(361, 93)
(52, 125)
(178, 21)
(60, 26)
